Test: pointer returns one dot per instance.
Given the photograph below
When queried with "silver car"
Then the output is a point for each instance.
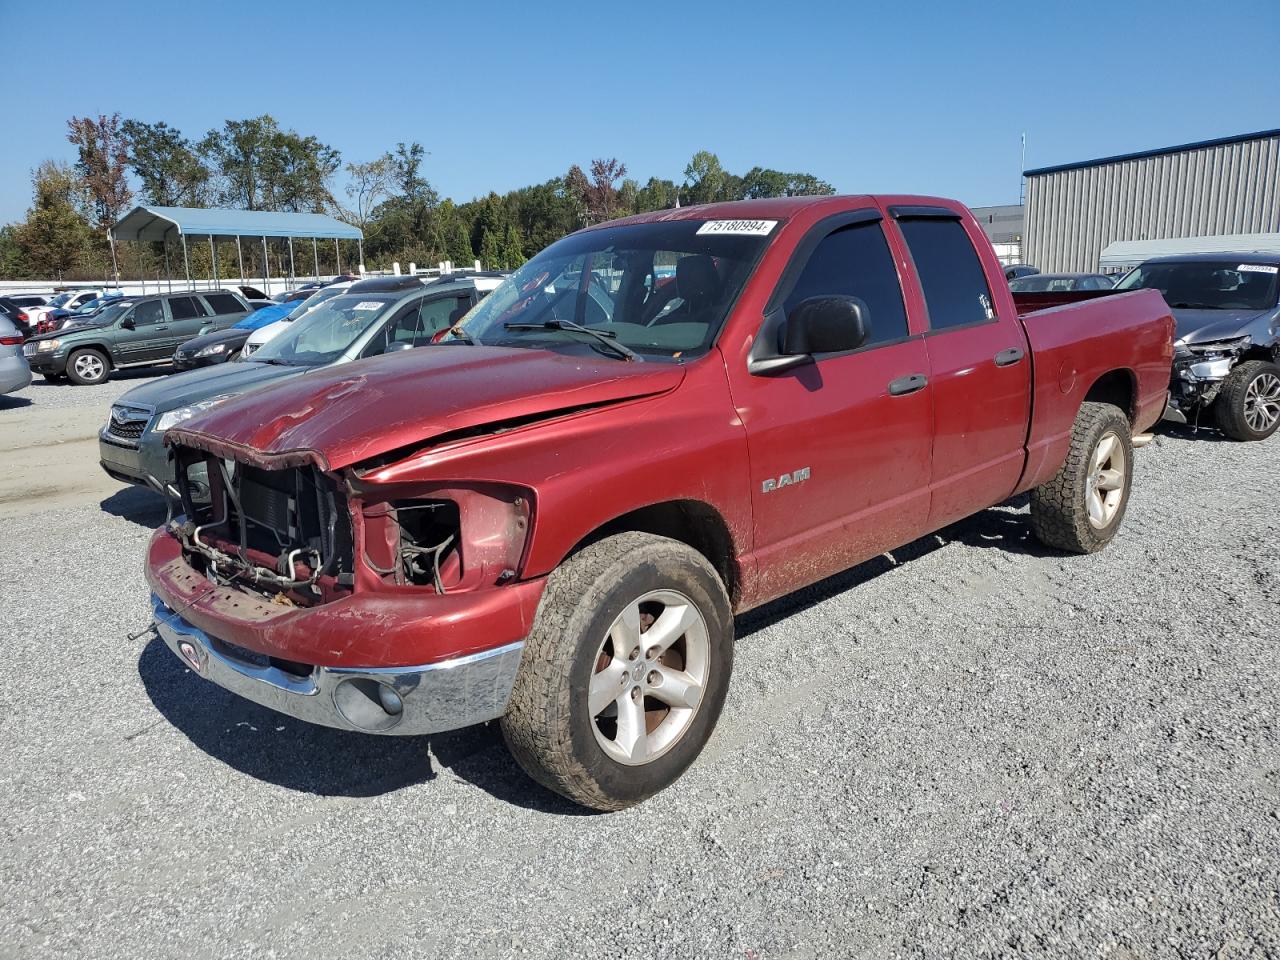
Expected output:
(14, 372)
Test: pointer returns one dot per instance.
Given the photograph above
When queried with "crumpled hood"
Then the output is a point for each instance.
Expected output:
(1202, 326)
(351, 412)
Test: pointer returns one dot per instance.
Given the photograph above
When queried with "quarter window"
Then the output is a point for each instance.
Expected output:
(955, 288)
(855, 261)
(224, 303)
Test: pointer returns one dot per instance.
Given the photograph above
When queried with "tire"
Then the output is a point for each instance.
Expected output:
(1248, 405)
(88, 366)
(1074, 511)
(609, 590)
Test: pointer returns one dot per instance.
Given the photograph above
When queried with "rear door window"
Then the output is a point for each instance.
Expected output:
(184, 308)
(955, 287)
(223, 303)
(855, 261)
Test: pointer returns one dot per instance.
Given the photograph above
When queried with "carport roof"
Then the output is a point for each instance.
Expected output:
(155, 223)
(1130, 253)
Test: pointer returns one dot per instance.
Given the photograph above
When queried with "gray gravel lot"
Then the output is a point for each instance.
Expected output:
(976, 748)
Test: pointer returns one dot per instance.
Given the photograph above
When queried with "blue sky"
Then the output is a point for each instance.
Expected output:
(882, 96)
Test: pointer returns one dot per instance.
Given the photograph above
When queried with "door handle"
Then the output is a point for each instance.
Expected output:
(1006, 358)
(165, 327)
(905, 385)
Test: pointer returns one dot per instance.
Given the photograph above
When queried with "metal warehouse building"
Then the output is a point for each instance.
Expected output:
(1226, 186)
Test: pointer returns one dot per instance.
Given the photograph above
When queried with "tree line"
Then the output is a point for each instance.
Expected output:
(254, 164)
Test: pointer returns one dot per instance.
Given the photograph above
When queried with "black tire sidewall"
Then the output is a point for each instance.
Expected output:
(1231, 418)
(624, 783)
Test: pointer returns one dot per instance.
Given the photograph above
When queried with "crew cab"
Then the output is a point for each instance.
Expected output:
(552, 515)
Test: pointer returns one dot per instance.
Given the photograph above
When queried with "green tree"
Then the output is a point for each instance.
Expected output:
(704, 179)
(55, 238)
(512, 248)
(103, 154)
(761, 182)
(261, 167)
(166, 164)
(492, 254)
(459, 244)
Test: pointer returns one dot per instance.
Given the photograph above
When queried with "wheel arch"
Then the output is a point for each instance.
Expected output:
(694, 523)
(100, 347)
(1117, 387)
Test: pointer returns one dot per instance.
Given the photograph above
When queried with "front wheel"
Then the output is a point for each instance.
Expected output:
(87, 367)
(1248, 406)
(624, 673)
(1080, 508)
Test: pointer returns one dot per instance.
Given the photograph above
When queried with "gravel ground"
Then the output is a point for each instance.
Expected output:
(976, 748)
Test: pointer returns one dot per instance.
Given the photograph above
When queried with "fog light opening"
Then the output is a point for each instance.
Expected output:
(368, 704)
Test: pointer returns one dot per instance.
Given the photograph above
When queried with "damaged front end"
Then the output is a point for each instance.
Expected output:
(1199, 370)
(386, 608)
(301, 536)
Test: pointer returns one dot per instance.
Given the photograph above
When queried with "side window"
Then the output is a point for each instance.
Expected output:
(955, 288)
(148, 312)
(223, 303)
(855, 261)
(438, 314)
(184, 308)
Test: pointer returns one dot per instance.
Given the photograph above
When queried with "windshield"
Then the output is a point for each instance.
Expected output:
(112, 313)
(59, 300)
(660, 289)
(314, 300)
(1206, 285)
(327, 332)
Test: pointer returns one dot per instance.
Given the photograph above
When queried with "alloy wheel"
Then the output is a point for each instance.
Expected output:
(649, 676)
(89, 366)
(1262, 402)
(1104, 489)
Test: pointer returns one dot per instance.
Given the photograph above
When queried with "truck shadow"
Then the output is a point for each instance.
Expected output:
(300, 756)
(139, 505)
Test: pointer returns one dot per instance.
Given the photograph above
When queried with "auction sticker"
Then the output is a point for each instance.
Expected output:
(739, 228)
(1256, 268)
(368, 305)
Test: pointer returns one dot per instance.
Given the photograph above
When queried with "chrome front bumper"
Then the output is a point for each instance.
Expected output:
(387, 700)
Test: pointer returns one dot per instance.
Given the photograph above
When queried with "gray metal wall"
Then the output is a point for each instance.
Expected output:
(1230, 188)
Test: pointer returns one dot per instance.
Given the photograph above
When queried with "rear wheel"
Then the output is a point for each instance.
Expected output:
(624, 673)
(1248, 405)
(1081, 507)
(87, 366)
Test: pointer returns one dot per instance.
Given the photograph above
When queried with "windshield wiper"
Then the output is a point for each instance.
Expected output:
(275, 362)
(609, 339)
(1193, 306)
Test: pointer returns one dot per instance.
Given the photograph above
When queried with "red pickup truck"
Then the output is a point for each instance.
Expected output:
(552, 514)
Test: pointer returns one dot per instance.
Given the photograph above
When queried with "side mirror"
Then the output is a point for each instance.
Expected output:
(398, 346)
(127, 324)
(826, 325)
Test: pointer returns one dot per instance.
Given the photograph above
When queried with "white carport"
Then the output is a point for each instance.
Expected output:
(1130, 253)
(160, 224)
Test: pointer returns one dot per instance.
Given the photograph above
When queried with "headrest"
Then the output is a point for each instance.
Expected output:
(696, 278)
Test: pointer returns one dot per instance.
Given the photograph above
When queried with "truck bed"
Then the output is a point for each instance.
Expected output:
(1074, 344)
